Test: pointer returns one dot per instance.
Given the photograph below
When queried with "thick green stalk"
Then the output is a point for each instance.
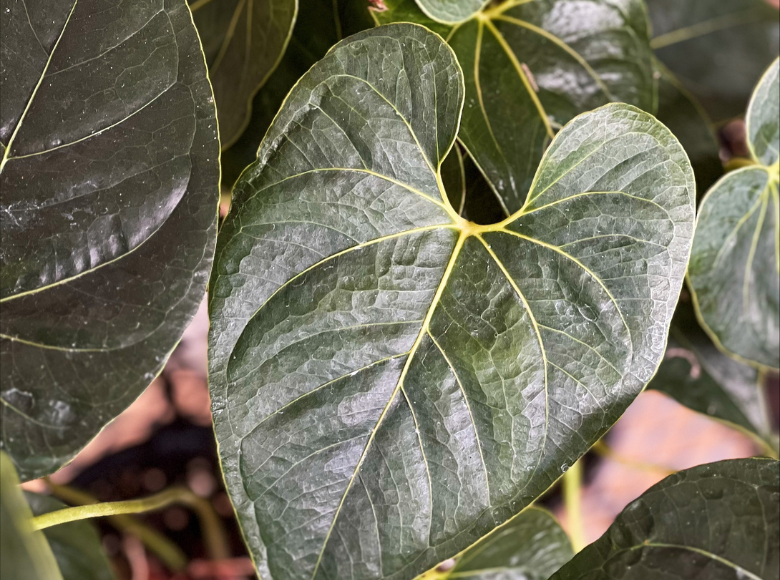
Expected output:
(572, 498)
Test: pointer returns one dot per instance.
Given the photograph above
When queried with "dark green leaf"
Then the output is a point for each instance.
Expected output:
(390, 382)
(717, 48)
(320, 25)
(699, 376)
(530, 67)
(76, 545)
(243, 41)
(531, 546)
(24, 553)
(406, 11)
(453, 179)
(719, 521)
(681, 112)
(735, 263)
(108, 196)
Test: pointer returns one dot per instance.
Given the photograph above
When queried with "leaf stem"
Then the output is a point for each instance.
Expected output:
(572, 499)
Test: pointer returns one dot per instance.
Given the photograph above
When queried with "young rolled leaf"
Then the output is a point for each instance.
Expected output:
(76, 545)
(391, 382)
(531, 546)
(243, 41)
(108, 192)
(735, 263)
(717, 48)
(696, 374)
(24, 553)
(719, 521)
(320, 25)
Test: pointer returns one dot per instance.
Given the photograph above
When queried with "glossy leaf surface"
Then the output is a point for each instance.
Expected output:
(696, 374)
(108, 191)
(390, 382)
(76, 546)
(243, 41)
(532, 546)
(719, 521)
(320, 25)
(24, 552)
(735, 264)
(451, 11)
(530, 67)
(717, 48)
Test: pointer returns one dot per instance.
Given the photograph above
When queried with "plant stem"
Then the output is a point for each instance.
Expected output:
(607, 452)
(572, 496)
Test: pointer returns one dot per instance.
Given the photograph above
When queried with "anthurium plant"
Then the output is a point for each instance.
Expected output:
(458, 237)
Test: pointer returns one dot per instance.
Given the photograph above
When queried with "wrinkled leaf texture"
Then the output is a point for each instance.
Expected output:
(719, 521)
(108, 191)
(530, 67)
(735, 263)
(243, 40)
(390, 382)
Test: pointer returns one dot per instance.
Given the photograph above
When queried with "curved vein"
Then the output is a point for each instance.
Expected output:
(586, 193)
(585, 344)
(752, 254)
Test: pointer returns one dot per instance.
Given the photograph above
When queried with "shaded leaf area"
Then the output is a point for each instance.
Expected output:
(391, 382)
(530, 67)
(108, 192)
(735, 264)
(699, 376)
(531, 546)
(76, 546)
(719, 521)
(243, 41)
(453, 179)
(679, 110)
(320, 25)
(717, 48)
(24, 552)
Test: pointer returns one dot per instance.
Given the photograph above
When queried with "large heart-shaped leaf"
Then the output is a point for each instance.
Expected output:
(696, 374)
(108, 192)
(531, 546)
(76, 545)
(243, 41)
(391, 382)
(24, 552)
(530, 67)
(320, 25)
(719, 521)
(717, 48)
(735, 264)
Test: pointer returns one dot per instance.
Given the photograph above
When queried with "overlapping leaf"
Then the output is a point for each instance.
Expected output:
(243, 41)
(531, 546)
(108, 192)
(24, 553)
(391, 382)
(76, 545)
(699, 376)
(735, 264)
(451, 11)
(530, 66)
(320, 25)
(717, 48)
(719, 521)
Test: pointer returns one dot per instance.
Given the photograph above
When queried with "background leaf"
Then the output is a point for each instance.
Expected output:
(699, 376)
(531, 546)
(108, 194)
(717, 48)
(243, 41)
(320, 25)
(451, 11)
(375, 358)
(24, 552)
(719, 521)
(735, 263)
(76, 546)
